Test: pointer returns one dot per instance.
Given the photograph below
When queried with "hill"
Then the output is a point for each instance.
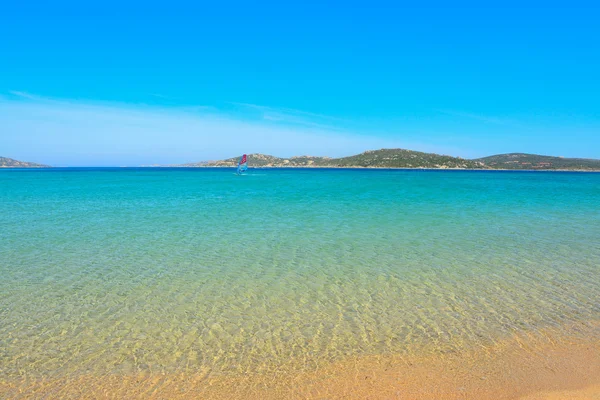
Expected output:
(10, 163)
(384, 158)
(400, 158)
(264, 160)
(535, 161)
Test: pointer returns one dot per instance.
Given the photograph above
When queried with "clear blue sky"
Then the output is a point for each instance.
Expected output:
(127, 83)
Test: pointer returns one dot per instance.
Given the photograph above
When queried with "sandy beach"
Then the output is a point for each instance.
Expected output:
(529, 367)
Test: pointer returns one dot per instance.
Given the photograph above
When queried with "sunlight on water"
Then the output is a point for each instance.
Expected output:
(122, 271)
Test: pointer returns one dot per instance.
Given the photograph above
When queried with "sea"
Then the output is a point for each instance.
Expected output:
(117, 271)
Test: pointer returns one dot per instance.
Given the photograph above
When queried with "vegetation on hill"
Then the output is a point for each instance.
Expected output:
(534, 161)
(264, 160)
(400, 158)
(385, 158)
(10, 163)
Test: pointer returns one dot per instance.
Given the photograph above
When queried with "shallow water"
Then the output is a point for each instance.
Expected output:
(117, 271)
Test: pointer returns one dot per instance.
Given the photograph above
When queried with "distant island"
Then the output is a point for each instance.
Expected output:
(535, 161)
(10, 163)
(387, 158)
(401, 158)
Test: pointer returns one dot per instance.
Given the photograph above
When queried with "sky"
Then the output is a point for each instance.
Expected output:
(139, 83)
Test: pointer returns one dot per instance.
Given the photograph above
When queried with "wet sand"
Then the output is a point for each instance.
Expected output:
(528, 367)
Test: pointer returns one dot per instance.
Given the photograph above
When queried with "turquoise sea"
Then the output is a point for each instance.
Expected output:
(117, 271)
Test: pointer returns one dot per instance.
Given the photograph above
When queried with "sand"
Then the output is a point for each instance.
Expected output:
(528, 367)
(588, 393)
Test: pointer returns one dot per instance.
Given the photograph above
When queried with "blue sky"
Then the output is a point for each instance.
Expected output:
(129, 83)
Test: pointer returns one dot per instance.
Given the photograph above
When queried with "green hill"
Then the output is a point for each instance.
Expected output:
(10, 163)
(264, 160)
(400, 158)
(535, 161)
(384, 158)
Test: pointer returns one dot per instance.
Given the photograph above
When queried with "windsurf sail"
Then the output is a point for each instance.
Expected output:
(242, 165)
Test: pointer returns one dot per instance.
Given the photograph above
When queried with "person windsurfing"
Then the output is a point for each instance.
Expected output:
(242, 165)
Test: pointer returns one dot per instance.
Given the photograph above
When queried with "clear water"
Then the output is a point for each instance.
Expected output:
(167, 270)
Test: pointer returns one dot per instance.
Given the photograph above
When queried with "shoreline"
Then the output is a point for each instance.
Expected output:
(531, 366)
(381, 168)
(315, 167)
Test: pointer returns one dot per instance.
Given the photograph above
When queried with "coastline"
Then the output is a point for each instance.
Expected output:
(311, 167)
(375, 168)
(535, 366)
